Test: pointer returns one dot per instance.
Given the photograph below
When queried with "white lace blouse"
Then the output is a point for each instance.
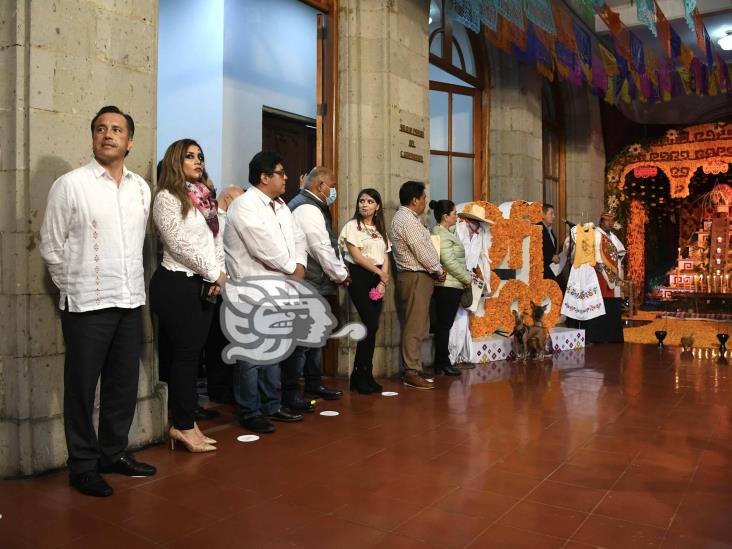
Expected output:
(189, 245)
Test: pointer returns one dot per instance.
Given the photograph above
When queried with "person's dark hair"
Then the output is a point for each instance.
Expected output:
(409, 191)
(263, 162)
(546, 207)
(378, 216)
(441, 208)
(115, 110)
(172, 177)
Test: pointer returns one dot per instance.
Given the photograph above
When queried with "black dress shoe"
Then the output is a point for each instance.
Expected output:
(127, 465)
(323, 392)
(283, 414)
(258, 424)
(299, 404)
(202, 414)
(91, 484)
(449, 371)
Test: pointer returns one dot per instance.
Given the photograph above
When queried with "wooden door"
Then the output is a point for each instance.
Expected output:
(294, 138)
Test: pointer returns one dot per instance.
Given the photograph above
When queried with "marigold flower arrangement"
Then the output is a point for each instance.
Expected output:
(507, 237)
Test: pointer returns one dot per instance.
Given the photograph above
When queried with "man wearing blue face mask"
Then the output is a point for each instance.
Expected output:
(325, 270)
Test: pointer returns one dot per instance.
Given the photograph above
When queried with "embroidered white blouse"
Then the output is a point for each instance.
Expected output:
(92, 238)
(262, 237)
(189, 245)
(368, 239)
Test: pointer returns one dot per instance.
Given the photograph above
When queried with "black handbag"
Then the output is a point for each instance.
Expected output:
(466, 299)
(205, 288)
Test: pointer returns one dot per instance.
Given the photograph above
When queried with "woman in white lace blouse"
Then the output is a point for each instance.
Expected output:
(183, 289)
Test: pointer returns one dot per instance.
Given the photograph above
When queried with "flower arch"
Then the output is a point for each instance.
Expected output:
(678, 154)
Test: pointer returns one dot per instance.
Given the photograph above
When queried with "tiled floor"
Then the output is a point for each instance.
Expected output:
(614, 446)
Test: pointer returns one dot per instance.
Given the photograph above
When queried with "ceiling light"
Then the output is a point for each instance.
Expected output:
(726, 41)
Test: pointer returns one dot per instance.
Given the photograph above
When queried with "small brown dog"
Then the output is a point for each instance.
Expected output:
(537, 334)
(520, 335)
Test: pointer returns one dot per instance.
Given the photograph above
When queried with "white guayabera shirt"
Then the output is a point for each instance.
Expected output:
(262, 237)
(92, 238)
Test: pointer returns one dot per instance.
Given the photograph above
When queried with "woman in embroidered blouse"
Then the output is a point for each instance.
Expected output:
(447, 294)
(185, 215)
(365, 248)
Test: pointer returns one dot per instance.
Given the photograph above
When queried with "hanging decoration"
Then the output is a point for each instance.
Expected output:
(489, 15)
(645, 171)
(539, 12)
(545, 34)
(689, 7)
(512, 11)
(646, 12)
(466, 12)
(664, 31)
(584, 49)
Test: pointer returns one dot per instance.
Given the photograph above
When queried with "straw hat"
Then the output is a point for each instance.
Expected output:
(475, 212)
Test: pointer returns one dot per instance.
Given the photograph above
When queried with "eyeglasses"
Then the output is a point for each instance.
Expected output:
(281, 173)
(191, 156)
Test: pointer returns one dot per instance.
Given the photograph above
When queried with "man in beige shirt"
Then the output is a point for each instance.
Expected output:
(418, 266)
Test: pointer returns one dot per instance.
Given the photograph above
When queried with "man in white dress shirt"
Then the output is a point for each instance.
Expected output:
(262, 238)
(91, 240)
(324, 271)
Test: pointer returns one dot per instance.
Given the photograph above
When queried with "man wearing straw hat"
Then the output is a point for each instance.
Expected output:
(472, 230)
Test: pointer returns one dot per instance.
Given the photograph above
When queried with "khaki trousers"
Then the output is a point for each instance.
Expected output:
(415, 292)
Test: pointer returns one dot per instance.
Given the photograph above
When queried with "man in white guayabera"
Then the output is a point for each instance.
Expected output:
(91, 240)
(262, 238)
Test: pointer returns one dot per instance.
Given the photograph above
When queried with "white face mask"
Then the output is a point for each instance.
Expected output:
(452, 229)
(332, 196)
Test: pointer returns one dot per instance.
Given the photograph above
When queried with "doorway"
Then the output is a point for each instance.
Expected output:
(294, 137)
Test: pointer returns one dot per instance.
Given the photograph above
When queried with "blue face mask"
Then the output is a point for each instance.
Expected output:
(332, 196)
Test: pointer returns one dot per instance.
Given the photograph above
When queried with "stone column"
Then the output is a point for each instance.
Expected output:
(383, 85)
(585, 157)
(515, 141)
(61, 62)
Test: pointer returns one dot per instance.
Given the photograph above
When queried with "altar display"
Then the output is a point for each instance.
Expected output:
(672, 197)
(514, 270)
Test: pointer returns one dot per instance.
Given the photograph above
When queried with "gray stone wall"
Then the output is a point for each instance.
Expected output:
(61, 61)
(585, 157)
(515, 144)
(383, 77)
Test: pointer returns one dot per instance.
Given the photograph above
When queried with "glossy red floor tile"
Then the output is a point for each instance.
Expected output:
(627, 447)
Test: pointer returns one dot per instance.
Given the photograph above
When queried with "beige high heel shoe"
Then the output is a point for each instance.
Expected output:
(207, 440)
(174, 435)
